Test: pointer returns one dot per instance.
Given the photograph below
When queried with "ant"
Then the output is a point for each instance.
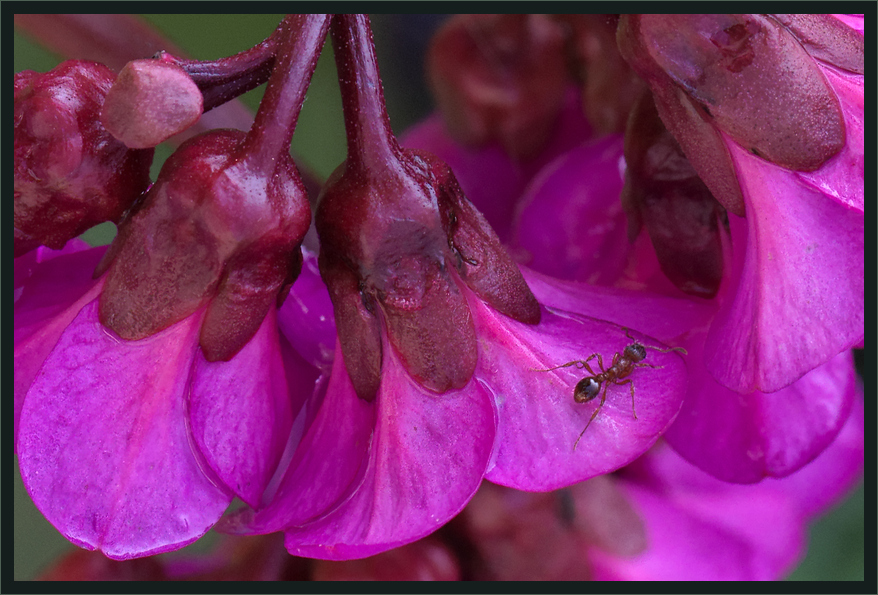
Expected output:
(622, 366)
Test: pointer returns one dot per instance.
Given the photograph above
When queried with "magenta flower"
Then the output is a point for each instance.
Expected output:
(443, 374)
(700, 528)
(194, 302)
(788, 154)
(505, 321)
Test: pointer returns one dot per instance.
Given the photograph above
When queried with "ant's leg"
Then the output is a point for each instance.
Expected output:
(633, 410)
(600, 363)
(581, 364)
(593, 415)
(659, 349)
(648, 366)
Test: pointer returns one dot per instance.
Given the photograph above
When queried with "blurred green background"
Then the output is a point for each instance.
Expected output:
(836, 549)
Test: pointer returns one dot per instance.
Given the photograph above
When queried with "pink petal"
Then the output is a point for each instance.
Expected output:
(700, 528)
(328, 463)
(743, 438)
(823, 482)
(306, 318)
(843, 176)
(539, 421)
(570, 222)
(242, 410)
(668, 318)
(24, 266)
(800, 297)
(104, 448)
(54, 282)
(854, 21)
(428, 455)
(708, 537)
(53, 293)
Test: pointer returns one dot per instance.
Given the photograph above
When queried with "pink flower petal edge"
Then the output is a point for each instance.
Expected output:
(744, 438)
(427, 458)
(241, 411)
(800, 296)
(104, 447)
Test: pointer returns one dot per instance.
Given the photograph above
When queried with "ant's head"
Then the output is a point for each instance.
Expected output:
(635, 352)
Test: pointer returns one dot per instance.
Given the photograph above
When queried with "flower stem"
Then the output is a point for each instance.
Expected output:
(227, 78)
(371, 143)
(300, 38)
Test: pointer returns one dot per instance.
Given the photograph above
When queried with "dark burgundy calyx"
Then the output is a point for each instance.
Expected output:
(399, 242)
(227, 78)
(70, 173)
(826, 38)
(746, 74)
(499, 78)
(384, 256)
(664, 193)
(211, 233)
(223, 225)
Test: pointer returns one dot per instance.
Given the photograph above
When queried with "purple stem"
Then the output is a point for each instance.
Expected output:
(227, 78)
(300, 38)
(371, 144)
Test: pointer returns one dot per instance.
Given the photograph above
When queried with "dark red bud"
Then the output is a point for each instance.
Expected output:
(499, 77)
(748, 75)
(70, 173)
(213, 231)
(151, 101)
(663, 192)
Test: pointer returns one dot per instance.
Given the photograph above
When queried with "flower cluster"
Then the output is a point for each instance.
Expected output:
(588, 321)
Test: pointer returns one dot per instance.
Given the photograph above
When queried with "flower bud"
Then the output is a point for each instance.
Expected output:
(215, 232)
(151, 101)
(397, 249)
(70, 173)
(750, 78)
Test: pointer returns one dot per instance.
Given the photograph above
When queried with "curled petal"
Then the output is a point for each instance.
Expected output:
(825, 480)
(242, 410)
(306, 318)
(744, 438)
(571, 225)
(428, 456)
(539, 419)
(328, 461)
(800, 297)
(103, 444)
